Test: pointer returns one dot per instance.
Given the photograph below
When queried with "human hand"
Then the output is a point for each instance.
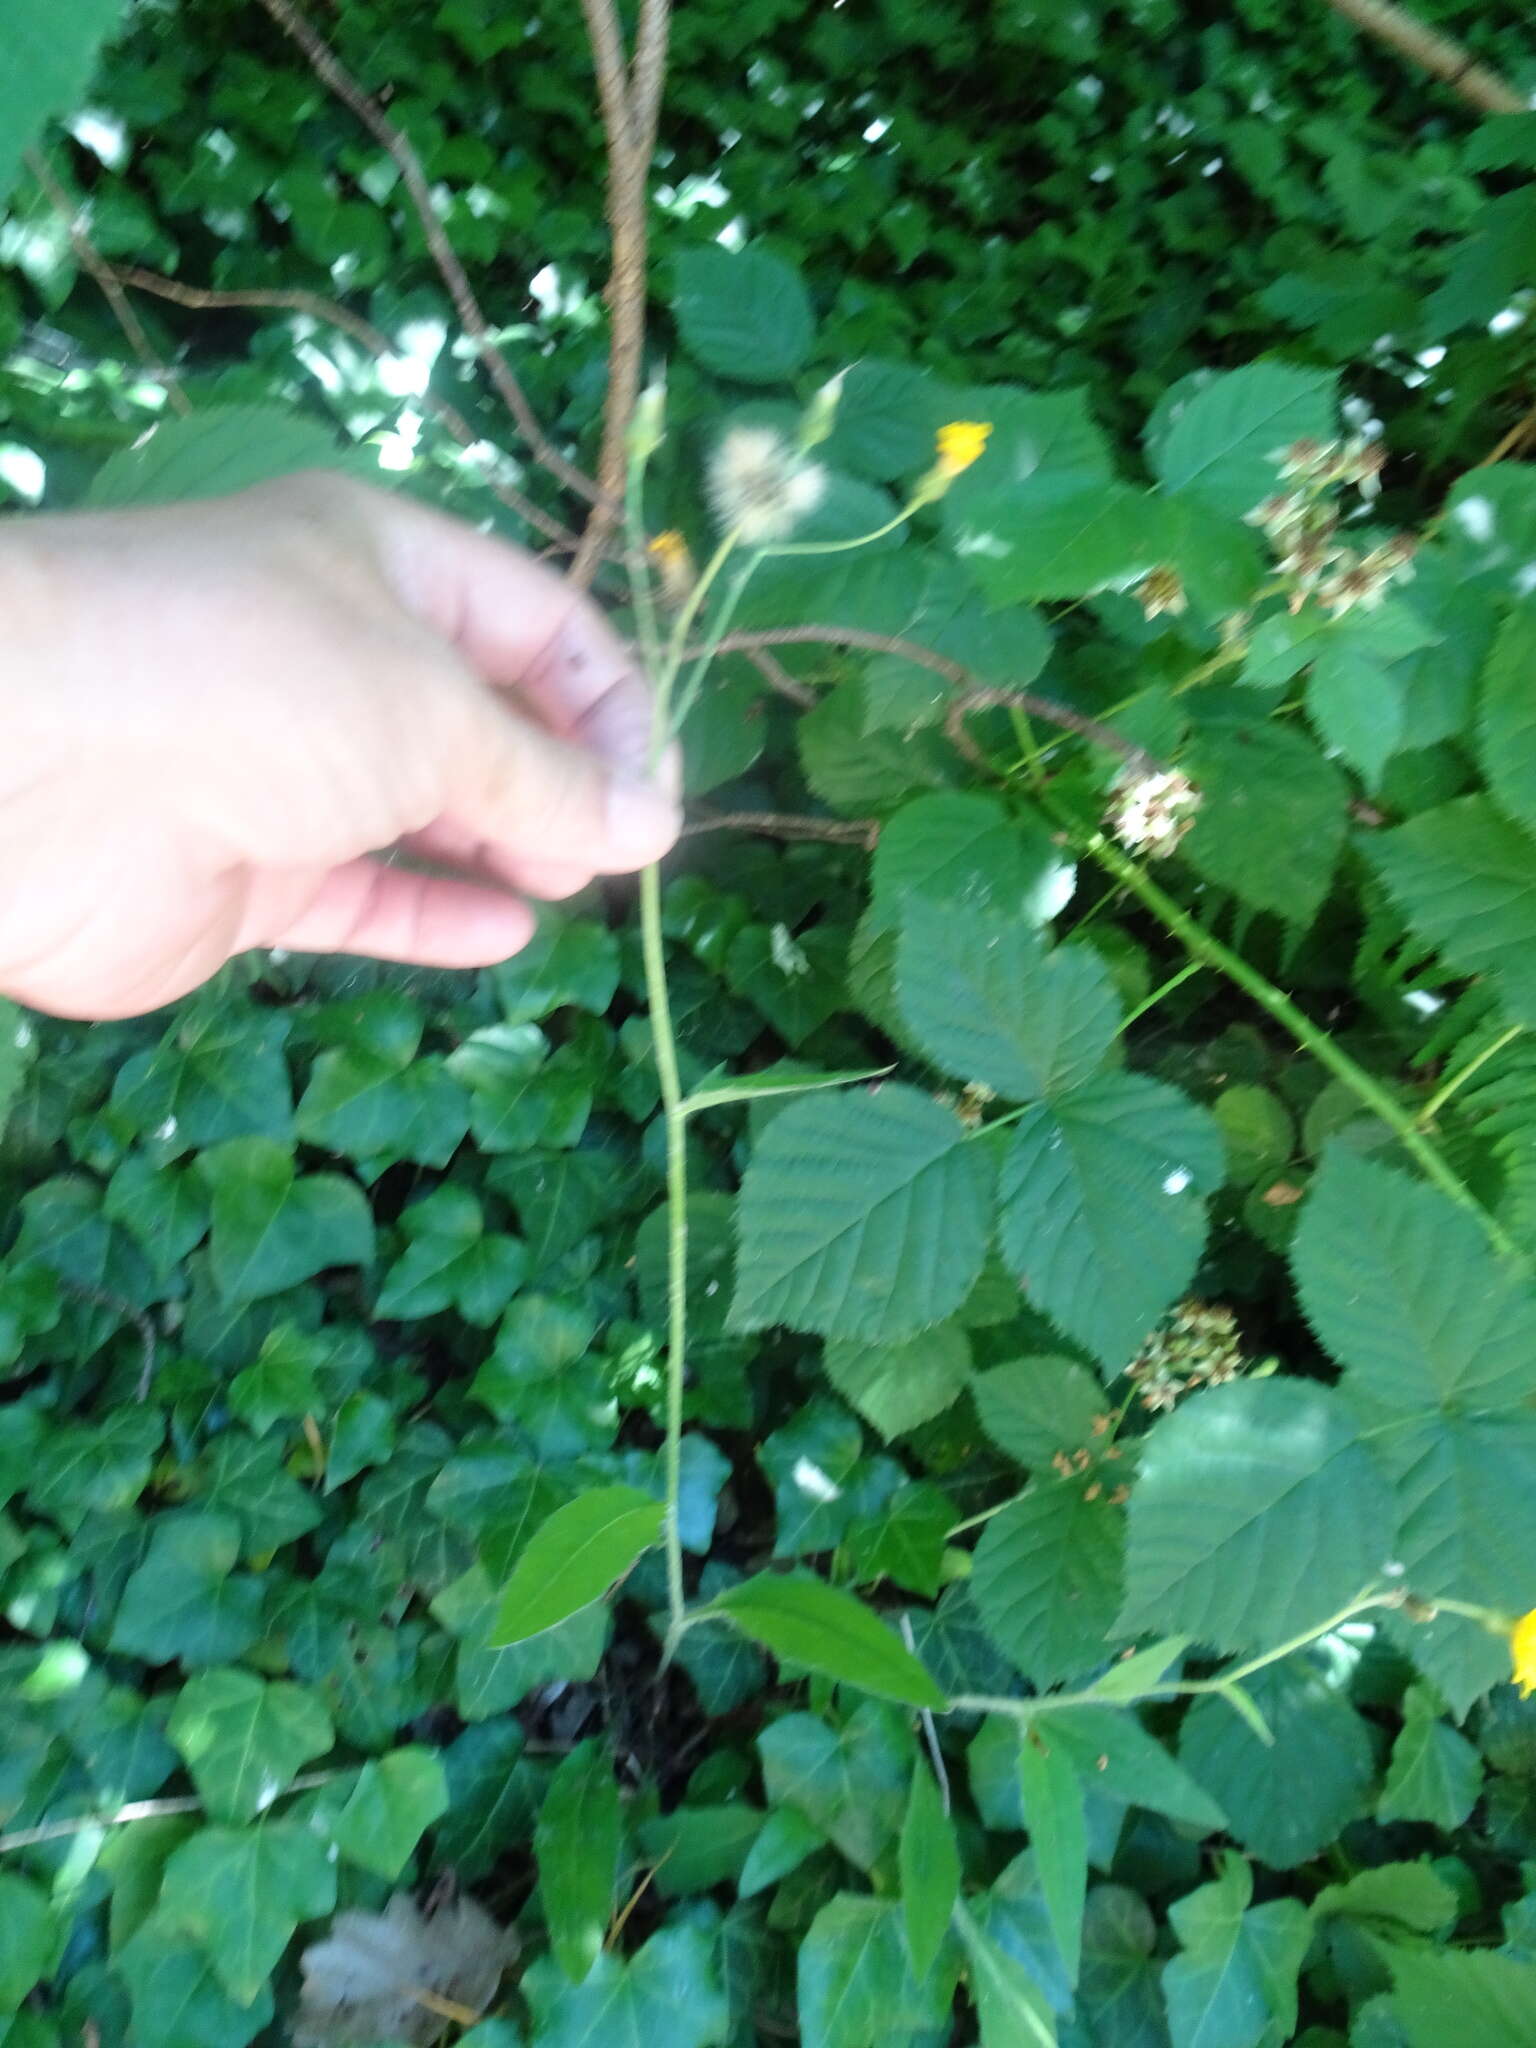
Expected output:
(212, 715)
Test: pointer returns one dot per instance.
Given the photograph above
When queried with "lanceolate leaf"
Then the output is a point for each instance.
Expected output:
(1011, 2006)
(577, 1844)
(930, 1871)
(808, 1622)
(1052, 1797)
(860, 1216)
(573, 1558)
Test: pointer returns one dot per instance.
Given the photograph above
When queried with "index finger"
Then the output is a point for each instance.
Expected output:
(520, 627)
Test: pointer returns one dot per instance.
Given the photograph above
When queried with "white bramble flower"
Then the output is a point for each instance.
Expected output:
(1151, 813)
(760, 488)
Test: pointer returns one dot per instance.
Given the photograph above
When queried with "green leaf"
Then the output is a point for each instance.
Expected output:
(965, 851)
(452, 1260)
(856, 1982)
(1397, 1898)
(573, 1558)
(1236, 1478)
(576, 1842)
(1435, 1774)
(1272, 817)
(213, 452)
(696, 1848)
(1233, 1985)
(807, 1622)
(1115, 1755)
(244, 1740)
(1465, 879)
(32, 1938)
(897, 1386)
(1491, 521)
(786, 1838)
(273, 1228)
(1010, 2005)
(987, 1001)
(17, 1041)
(1035, 1408)
(1402, 1287)
(1141, 1671)
(1222, 443)
(241, 1892)
(1507, 724)
(568, 963)
(1102, 1217)
(184, 1601)
(395, 1800)
(930, 1872)
(1443, 1995)
(1057, 535)
(669, 1992)
(852, 1785)
(177, 1997)
(379, 1110)
(860, 1218)
(745, 314)
(1356, 699)
(768, 1086)
(1046, 1579)
(49, 61)
(1052, 1798)
(1288, 1799)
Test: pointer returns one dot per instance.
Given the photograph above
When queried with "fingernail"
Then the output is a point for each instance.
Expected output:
(642, 822)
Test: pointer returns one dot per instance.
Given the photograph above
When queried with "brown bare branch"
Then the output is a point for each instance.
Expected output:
(1435, 53)
(328, 67)
(630, 105)
(101, 274)
(784, 825)
(777, 677)
(330, 313)
(977, 696)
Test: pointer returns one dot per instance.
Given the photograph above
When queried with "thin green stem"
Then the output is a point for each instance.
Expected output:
(1459, 1079)
(677, 641)
(686, 699)
(664, 1050)
(839, 547)
(639, 580)
(1200, 942)
(1190, 968)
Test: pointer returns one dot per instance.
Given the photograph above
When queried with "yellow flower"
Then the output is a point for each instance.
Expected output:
(960, 444)
(674, 564)
(1522, 1651)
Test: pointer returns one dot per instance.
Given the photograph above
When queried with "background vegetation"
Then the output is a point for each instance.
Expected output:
(1045, 1700)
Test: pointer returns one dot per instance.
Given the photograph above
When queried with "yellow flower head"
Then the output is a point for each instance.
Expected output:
(669, 548)
(1522, 1652)
(674, 564)
(960, 444)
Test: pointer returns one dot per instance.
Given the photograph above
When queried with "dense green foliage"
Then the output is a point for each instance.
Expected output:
(1108, 1464)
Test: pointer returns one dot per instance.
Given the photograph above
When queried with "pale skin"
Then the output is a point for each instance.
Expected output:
(215, 717)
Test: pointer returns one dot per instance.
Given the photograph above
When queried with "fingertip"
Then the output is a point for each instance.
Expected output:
(642, 822)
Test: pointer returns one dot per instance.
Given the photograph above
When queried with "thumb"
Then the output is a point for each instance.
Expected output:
(528, 795)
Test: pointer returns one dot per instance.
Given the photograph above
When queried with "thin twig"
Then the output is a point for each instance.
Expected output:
(141, 1322)
(1522, 431)
(331, 313)
(141, 1809)
(783, 825)
(929, 1726)
(630, 103)
(1436, 53)
(102, 275)
(977, 696)
(329, 68)
(777, 677)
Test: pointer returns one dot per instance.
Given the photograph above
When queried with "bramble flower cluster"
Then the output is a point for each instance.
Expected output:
(1196, 1346)
(1152, 813)
(1161, 591)
(1301, 526)
(760, 487)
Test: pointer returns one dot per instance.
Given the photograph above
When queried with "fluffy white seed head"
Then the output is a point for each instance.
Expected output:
(760, 487)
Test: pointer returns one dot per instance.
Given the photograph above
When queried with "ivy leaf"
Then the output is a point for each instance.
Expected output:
(1233, 1985)
(568, 963)
(382, 1109)
(1051, 1795)
(1465, 879)
(1238, 1477)
(244, 1740)
(1222, 442)
(744, 314)
(1442, 1995)
(860, 1218)
(930, 1872)
(1010, 2005)
(573, 1558)
(240, 1893)
(895, 1387)
(576, 1843)
(786, 1838)
(1286, 1800)
(670, 1991)
(395, 1800)
(48, 67)
(1046, 1580)
(1435, 1774)
(217, 450)
(805, 1621)
(452, 1260)
(1102, 1217)
(184, 1601)
(856, 1981)
(34, 1936)
(177, 1997)
(852, 1784)
(987, 1001)
(273, 1228)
